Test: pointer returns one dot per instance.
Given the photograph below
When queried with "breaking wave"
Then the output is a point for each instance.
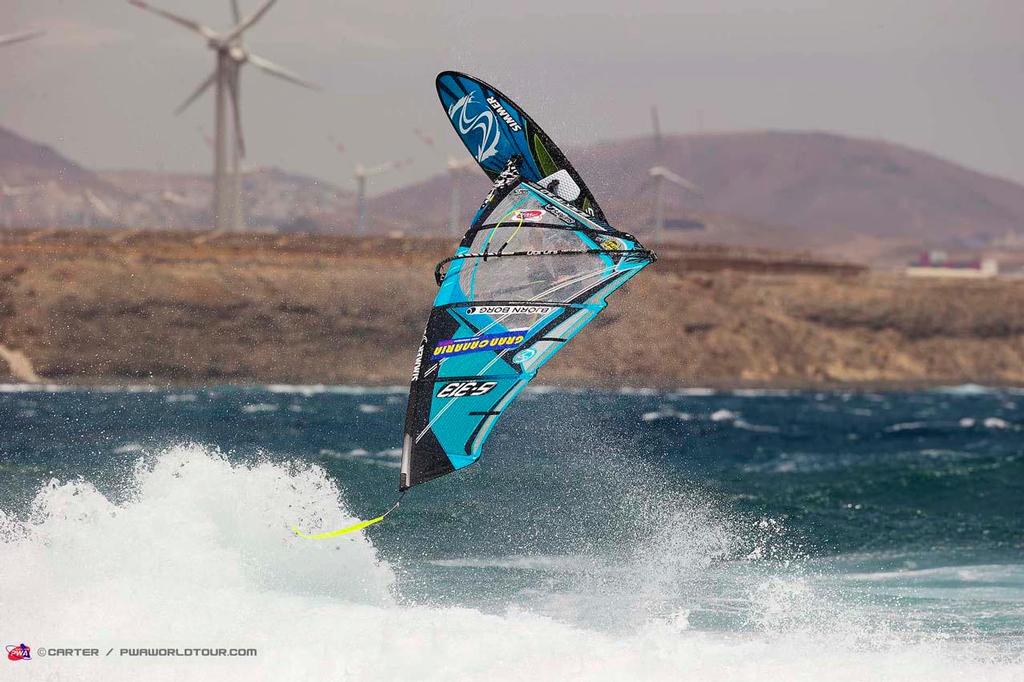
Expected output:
(197, 552)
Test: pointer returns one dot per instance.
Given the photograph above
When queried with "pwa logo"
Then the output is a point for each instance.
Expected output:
(19, 652)
(483, 121)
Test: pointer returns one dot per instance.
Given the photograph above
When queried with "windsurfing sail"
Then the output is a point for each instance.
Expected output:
(532, 271)
(535, 267)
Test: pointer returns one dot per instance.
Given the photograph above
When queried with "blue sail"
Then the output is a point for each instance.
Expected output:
(529, 275)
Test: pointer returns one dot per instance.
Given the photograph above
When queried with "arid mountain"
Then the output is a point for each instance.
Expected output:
(819, 190)
(41, 188)
(23, 162)
(851, 198)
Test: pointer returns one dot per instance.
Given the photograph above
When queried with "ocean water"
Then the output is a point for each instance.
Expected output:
(694, 534)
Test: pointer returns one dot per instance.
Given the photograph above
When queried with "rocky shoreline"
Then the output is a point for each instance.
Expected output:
(164, 308)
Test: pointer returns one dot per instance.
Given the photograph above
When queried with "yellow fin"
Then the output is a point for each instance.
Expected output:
(341, 531)
(348, 529)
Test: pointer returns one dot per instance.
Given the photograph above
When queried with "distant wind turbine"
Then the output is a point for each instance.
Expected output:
(660, 175)
(9, 192)
(231, 55)
(6, 191)
(455, 169)
(362, 174)
(99, 206)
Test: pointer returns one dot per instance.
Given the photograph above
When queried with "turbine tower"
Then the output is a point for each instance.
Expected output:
(455, 168)
(361, 175)
(660, 175)
(230, 55)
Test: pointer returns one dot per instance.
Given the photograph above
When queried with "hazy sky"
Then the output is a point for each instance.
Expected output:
(945, 76)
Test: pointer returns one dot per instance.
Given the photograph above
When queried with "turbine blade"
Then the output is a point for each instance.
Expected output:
(683, 182)
(379, 170)
(195, 26)
(233, 90)
(244, 25)
(12, 38)
(235, 12)
(203, 87)
(386, 167)
(274, 70)
(662, 172)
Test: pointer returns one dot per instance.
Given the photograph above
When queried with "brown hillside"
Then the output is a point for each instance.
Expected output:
(177, 307)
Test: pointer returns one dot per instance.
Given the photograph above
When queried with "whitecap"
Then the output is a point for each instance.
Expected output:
(316, 389)
(905, 426)
(382, 458)
(966, 389)
(128, 448)
(666, 413)
(762, 392)
(759, 428)
(256, 408)
(695, 392)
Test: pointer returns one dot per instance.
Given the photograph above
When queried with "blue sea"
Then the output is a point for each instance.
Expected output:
(634, 534)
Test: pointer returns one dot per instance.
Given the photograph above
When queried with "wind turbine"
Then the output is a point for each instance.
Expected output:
(455, 168)
(12, 38)
(660, 175)
(97, 205)
(231, 55)
(8, 192)
(362, 174)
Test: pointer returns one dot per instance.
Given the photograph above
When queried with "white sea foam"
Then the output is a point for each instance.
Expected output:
(256, 408)
(71, 388)
(757, 428)
(978, 573)
(561, 564)
(317, 389)
(967, 389)
(389, 458)
(693, 392)
(762, 392)
(906, 426)
(666, 413)
(200, 555)
(638, 391)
